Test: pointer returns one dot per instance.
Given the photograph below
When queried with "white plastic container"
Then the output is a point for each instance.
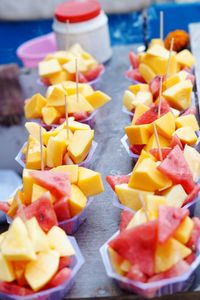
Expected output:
(85, 23)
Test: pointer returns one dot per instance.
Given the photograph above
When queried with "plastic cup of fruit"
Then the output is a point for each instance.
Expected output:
(58, 292)
(20, 158)
(70, 226)
(124, 141)
(162, 287)
(94, 83)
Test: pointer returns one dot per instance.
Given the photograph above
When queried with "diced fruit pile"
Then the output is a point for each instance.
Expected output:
(171, 181)
(55, 195)
(32, 259)
(60, 66)
(51, 109)
(146, 65)
(159, 248)
(60, 147)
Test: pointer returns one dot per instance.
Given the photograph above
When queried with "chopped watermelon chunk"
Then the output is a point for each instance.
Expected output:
(94, 73)
(80, 116)
(117, 179)
(136, 274)
(190, 258)
(138, 245)
(45, 81)
(65, 261)
(136, 149)
(58, 183)
(164, 151)
(190, 111)
(135, 75)
(14, 289)
(154, 86)
(192, 195)
(176, 168)
(4, 207)
(168, 221)
(125, 218)
(62, 210)
(176, 141)
(134, 60)
(44, 212)
(61, 277)
(152, 114)
(194, 240)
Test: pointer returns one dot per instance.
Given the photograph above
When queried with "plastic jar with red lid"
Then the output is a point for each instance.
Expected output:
(83, 22)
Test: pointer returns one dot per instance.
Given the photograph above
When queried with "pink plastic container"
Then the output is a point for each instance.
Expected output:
(35, 50)
(163, 287)
(20, 158)
(58, 292)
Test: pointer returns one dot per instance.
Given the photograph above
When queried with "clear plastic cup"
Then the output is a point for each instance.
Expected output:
(20, 158)
(127, 112)
(58, 292)
(124, 141)
(162, 287)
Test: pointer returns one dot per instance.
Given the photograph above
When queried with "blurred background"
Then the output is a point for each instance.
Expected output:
(25, 19)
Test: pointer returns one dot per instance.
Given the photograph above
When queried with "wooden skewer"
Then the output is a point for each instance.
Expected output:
(157, 142)
(76, 67)
(141, 198)
(41, 150)
(160, 96)
(66, 117)
(170, 54)
(161, 25)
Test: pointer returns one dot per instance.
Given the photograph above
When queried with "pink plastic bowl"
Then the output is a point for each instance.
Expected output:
(35, 50)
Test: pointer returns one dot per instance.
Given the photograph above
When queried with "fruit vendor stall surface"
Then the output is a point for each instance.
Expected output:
(110, 158)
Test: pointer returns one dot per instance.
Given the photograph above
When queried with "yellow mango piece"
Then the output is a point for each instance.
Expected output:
(39, 272)
(28, 182)
(33, 106)
(56, 97)
(90, 182)
(168, 254)
(142, 87)
(156, 42)
(56, 150)
(62, 56)
(59, 242)
(80, 145)
(37, 236)
(153, 144)
(52, 87)
(128, 100)
(148, 173)
(71, 169)
(139, 134)
(139, 111)
(128, 196)
(51, 133)
(142, 156)
(158, 50)
(33, 154)
(175, 112)
(144, 98)
(174, 79)
(17, 245)
(50, 115)
(98, 99)
(74, 125)
(184, 231)
(116, 261)
(77, 201)
(64, 135)
(38, 191)
(175, 195)
(185, 58)
(70, 87)
(187, 135)
(57, 77)
(146, 72)
(78, 106)
(70, 66)
(34, 129)
(166, 125)
(49, 67)
(152, 203)
(139, 218)
(179, 95)
(188, 120)
(86, 90)
(192, 156)
(6, 270)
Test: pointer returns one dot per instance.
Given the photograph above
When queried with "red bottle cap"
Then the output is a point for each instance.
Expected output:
(77, 11)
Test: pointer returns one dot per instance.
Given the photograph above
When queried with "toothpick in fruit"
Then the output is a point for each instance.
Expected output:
(157, 141)
(41, 150)
(161, 25)
(76, 67)
(160, 97)
(141, 198)
(170, 54)
(66, 117)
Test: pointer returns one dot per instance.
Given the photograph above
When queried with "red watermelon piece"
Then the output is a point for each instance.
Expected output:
(176, 141)
(194, 240)
(176, 168)
(94, 73)
(45, 81)
(134, 60)
(155, 152)
(138, 245)
(61, 277)
(10, 288)
(190, 258)
(136, 274)
(136, 149)
(117, 179)
(44, 212)
(135, 75)
(82, 78)
(190, 111)
(62, 209)
(168, 221)
(58, 183)
(79, 116)
(154, 86)
(64, 262)
(125, 218)
(192, 195)
(152, 114)
(4, 207)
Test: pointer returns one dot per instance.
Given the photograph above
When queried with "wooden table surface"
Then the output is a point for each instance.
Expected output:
(110, 158)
